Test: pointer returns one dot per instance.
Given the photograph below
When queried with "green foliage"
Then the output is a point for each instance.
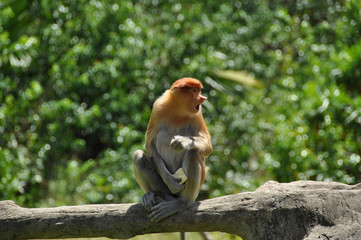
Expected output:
(78, 80)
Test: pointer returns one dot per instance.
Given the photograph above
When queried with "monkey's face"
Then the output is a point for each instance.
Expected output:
(193, 99)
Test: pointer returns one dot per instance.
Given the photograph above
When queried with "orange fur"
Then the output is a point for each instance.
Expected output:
(187, 82)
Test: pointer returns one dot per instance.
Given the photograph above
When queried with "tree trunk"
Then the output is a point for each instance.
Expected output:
(296, 210)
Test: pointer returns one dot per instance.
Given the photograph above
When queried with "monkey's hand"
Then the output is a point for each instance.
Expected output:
(173, 184)
(182, 143)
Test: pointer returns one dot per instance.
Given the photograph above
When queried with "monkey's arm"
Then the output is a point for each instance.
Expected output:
(170, 180)
(202, 143)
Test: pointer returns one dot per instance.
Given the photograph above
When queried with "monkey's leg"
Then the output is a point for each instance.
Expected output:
(149, 180)
(193, 168)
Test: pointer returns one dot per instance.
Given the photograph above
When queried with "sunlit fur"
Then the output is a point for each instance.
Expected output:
(169, 109)
(187, 82)
(176, 137)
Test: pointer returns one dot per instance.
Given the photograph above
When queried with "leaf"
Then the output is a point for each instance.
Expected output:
(239, 76)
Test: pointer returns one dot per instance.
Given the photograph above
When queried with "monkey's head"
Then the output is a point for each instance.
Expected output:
(188, 93)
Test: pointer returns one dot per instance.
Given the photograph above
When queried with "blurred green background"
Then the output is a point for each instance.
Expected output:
(78, 80)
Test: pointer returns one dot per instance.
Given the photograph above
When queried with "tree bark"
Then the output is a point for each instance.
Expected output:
(296, 210)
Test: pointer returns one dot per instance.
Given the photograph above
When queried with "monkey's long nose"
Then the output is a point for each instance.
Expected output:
(203, 98)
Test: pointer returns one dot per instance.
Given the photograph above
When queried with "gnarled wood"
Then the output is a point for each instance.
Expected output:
(297, 210)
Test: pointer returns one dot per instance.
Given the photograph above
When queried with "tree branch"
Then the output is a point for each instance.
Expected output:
(297, 210)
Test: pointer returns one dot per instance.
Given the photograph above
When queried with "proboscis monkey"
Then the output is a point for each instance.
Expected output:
(177, 137)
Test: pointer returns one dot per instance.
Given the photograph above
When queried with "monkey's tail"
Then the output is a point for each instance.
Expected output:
(183, 236)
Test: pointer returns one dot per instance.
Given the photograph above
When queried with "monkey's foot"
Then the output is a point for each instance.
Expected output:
(151, 199)
(165, 209)
(148, 201)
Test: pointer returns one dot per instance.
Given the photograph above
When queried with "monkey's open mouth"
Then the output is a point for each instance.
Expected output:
(197, 107)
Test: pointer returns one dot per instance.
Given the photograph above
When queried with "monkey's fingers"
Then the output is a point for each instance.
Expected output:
(148, 201)
(163, 210)
(176, 145)
(175, 186)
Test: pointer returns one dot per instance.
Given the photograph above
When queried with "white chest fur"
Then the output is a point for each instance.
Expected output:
(173, 159)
